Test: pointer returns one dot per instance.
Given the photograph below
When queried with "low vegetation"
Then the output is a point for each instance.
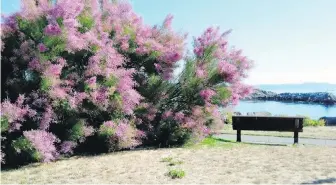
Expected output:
(167, 159)
(176, 173)
(313, 123)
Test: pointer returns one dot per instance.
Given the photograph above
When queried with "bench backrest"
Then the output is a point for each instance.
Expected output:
(267, 123)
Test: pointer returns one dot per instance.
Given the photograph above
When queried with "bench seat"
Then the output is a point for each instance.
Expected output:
(268, 123)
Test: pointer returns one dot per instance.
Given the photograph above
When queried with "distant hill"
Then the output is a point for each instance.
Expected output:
(300, 88)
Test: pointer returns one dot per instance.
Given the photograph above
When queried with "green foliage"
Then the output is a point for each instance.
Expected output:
(167, 159)
(4, 124)
(176, 173)
(45, 84)
(94, 48)
(32, 29)
(77, 131)
(63, 105)
(23, 145)
(129, 31)
(169, 133)
(106, 131)
(212, 142)
(59, 20)
(310, 122)
(307, 121)
(209, 141)
(173, 163)
(86, 22)
(222, 94)
(111, 82)
(55, 44)
(229, 118)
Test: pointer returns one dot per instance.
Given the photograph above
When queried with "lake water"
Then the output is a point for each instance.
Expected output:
(314, 111)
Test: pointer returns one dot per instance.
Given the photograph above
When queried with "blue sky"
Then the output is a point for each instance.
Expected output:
(291, 41)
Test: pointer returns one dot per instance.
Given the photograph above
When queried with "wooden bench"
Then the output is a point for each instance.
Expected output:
(268, 123)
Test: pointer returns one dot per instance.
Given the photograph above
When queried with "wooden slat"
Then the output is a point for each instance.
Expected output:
(267, 123)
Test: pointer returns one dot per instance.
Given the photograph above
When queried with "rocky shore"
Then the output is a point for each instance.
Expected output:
(316, 97)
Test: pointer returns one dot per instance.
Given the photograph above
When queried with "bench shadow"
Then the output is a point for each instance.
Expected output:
(322, 181)
(250, 143)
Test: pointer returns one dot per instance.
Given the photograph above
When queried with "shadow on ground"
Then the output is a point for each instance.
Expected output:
(322, 181)
(250, 143)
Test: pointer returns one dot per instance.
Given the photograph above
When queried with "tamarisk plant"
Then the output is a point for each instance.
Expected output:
(82, 74)
(189, 108)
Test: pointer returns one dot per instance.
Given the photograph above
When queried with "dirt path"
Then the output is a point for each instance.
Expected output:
(278, 140)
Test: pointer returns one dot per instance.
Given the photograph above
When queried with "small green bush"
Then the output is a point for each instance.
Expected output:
(314, 123)
(308, 122)
(229, 118)
(25, 148)
(167, 159)
(176, 173)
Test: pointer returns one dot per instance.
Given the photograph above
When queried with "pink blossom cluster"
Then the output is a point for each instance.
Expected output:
(16, 113)
(125, 134)
(206, 94)
(67, 147)
(44, 143)
(162, 42)
(195, 122)
(212, 48)
(128, 136)
(239, 91)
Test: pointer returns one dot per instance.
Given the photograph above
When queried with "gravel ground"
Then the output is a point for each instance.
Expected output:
(227, 163)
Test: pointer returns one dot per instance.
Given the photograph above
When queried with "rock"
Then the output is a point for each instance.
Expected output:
(317, 97)
(259, 113)
(237, 113)
(329, 121)
(261, 94)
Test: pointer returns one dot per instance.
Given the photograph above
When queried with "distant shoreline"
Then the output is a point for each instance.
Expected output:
(287, 102)
(323, 98)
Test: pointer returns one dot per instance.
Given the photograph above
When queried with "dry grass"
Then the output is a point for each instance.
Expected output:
(222, 162)
(308, 132)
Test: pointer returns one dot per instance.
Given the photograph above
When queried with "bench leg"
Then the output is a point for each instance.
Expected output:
(238, 136)
(296, 137)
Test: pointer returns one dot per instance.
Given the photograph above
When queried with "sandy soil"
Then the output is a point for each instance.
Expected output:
(308, 132)
(227, 164)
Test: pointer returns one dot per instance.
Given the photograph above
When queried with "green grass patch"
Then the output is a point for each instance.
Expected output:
(167, 159)
(174, 163)
(176, 173)
(213, 142)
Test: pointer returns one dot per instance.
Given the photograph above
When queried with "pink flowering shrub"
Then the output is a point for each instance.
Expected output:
(189, 108)
(39, 144)
(44, 143)
(119, 135)
(69, 67)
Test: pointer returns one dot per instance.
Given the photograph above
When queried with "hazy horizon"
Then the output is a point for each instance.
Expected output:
(296, 83)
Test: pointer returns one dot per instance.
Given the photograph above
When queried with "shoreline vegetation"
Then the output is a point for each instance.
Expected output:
(324, 98)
